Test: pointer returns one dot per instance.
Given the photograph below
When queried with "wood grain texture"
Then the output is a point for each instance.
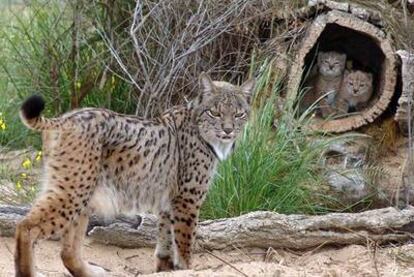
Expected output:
(257, 229)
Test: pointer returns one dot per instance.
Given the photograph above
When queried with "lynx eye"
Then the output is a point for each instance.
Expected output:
(240, 115)
(213, 113)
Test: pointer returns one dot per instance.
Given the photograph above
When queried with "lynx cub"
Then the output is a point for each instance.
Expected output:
(331, 66)
(356, 90)
(101, 161)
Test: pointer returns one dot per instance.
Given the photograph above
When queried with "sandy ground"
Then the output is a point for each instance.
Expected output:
(351, 260)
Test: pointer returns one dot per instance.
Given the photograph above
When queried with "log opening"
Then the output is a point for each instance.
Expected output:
(366, 46)
(362, 50)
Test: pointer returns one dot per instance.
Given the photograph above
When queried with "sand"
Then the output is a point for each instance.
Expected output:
(353, 260)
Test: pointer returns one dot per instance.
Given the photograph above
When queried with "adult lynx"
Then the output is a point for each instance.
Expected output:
(101, 161)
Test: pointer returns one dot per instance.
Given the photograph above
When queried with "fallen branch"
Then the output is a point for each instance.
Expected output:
(257, 229)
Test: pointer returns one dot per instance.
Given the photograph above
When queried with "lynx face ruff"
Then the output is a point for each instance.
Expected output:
(97, 160)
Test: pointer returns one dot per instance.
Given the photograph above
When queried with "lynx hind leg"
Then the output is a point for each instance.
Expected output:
(43, 221)
(26, 235)
(164, 250)
(72, 250)
(71, 174)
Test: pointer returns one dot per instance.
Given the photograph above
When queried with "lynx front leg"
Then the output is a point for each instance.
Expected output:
(164, 250)
(325, 108)
(185, 217)
(341, 107)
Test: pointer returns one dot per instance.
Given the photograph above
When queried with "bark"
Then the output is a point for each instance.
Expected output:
(257, 229)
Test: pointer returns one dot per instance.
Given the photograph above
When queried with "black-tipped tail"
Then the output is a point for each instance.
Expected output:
(32, 107)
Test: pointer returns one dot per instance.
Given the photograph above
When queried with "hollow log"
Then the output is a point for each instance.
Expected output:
(258, 229)
(366, 44)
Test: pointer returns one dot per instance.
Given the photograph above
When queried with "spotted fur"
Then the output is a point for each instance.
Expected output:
(98, 160)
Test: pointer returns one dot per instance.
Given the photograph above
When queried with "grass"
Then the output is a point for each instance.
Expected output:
(11, 129)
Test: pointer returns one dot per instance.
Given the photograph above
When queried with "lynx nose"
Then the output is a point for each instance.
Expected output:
(227, 130)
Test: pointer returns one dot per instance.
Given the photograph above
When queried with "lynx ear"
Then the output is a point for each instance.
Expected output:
(247, 88)
(346, 72)
(206, 84)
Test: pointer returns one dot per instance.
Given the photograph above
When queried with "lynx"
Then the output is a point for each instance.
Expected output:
(355, 92)
(326, 81)
(108, 163)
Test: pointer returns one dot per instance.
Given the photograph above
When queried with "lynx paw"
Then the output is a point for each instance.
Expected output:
(164, 264)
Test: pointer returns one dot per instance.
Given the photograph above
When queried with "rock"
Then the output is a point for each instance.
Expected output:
(347, 153)
(350, 183)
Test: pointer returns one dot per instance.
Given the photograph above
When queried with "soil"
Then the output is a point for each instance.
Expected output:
(353, 260)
